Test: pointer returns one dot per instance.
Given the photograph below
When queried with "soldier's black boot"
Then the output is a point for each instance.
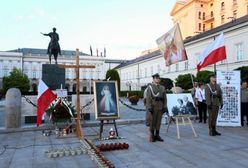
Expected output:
(157, 137)
(216, 133)
(152, 137)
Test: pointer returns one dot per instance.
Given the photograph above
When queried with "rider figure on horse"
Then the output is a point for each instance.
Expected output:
(53, 47)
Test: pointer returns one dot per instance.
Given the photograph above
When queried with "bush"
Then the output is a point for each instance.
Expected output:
(203, 76)
(244, 72)
(16, 80)
(167, 83)
(185, 81)
(113, 75)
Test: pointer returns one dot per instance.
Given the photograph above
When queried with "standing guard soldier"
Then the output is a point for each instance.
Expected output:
(157, 105)
(214, 101)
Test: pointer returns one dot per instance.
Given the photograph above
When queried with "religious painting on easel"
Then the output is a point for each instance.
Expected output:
(180, 104)
(106, 100)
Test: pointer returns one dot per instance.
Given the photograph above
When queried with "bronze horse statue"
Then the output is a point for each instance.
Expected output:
(53, 47)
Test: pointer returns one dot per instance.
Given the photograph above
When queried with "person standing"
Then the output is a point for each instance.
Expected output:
(213, 95)
(244, 102)
(201, 101)
(157, 105)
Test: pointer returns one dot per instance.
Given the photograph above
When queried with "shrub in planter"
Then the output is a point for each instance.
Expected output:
(134, 99)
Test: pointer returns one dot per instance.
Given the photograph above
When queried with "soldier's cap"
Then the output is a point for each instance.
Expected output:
(212, 75)
(156, 75)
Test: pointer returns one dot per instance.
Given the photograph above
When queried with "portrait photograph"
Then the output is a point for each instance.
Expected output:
(106, 100)
(181, 104)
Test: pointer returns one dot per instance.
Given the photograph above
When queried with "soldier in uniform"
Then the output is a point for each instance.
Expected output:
(214, 101)
(157, 105)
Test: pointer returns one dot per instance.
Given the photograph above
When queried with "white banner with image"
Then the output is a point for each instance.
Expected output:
(229, 82)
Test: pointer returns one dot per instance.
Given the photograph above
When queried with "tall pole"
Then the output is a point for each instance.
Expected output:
(79, 129)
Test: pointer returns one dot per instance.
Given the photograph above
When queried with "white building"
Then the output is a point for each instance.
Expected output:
(136, 73)
(30, 62)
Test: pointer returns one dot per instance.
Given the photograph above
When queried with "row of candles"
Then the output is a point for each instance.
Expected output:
(113, 146)
(96, 154)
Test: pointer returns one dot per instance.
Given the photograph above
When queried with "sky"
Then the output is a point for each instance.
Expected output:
(124, 27)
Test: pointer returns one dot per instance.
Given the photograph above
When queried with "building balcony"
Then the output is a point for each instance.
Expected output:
(209, 18)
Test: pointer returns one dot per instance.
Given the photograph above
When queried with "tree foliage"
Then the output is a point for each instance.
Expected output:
(112, 74)
(167, 83)
(203, 76)
(185, 81)
(244, 72)
(16, 80)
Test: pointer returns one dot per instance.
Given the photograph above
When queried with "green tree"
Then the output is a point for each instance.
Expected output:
(16, 80)
(244, 72)
(167, 83)
(112, 74)
(185, 81)
(203, 76)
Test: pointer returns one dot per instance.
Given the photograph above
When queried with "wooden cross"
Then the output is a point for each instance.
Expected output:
(79, 131)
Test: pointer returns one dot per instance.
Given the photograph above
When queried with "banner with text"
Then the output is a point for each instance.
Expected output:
(229, 82)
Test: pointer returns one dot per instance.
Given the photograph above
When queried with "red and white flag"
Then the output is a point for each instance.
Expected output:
(171, 46)
(215, 52)
(45, 98)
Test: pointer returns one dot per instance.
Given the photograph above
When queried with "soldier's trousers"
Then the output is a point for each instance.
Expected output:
(155, 119)
(212, 116)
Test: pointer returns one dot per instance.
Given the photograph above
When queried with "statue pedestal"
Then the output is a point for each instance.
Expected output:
(53, 76)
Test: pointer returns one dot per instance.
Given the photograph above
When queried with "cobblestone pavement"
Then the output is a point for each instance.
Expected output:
(27, 149)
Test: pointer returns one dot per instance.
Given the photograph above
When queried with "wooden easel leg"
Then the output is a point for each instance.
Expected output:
(115, 128)
(170, 120)
(101, 129)
(192, 127)
(178, 133)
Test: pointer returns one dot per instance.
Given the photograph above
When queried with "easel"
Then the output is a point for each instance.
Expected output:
(101, 127)
(182, 118)
(79, 130)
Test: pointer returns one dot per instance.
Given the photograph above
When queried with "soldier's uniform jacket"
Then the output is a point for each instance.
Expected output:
(156, 97)
(213, 95)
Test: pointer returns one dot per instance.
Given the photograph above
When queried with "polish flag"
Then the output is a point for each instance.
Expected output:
(215, 52)
(45, 98)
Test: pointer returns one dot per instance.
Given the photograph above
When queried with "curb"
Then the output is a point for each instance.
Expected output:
(88, 124)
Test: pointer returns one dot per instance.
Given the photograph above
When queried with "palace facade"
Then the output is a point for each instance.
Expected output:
(30, 60)
(196, 16)
(137, 72)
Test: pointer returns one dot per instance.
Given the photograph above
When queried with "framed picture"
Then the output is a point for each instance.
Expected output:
(180, 104)
(106, 100)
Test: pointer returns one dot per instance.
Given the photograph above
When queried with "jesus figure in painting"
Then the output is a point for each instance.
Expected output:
(107, 104)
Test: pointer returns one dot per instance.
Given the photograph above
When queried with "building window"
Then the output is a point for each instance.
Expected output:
(234, 2)
(145, 72)
(247, 9)
(151, 71)
(222, 19)
(186, 65)
(239, 49)
(169, 68)
(211, 4)
(158, 69)
(222, 5)
(212, 25)
(34, 74)
(177, 67)
(140, 73)
(203, 15)
(202, 5)
(212, 14)
(199, 15)
(204, 26)
(199, 26)
(235, 14)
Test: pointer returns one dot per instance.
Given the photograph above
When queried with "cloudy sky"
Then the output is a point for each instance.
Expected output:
(124, 27)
